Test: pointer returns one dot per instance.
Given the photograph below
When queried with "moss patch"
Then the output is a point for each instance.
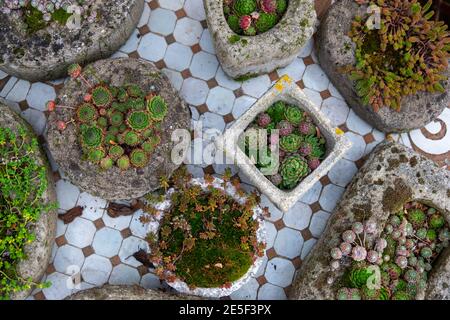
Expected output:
(394, 198)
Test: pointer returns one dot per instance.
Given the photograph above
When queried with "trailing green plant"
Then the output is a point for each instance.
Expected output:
(23, 182)
(117, 126)
(408, 54)
(252, 17)
(206, 238)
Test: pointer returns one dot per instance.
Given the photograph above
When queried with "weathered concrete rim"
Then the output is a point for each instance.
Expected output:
(285, 89)
(336, 50)
(122, 292)
(50, 51)
(39, 251)
(114, 184)
(392, 176)
(264, 52)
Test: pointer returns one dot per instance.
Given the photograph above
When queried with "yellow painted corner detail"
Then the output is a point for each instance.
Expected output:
(339, 131)
(282, 81)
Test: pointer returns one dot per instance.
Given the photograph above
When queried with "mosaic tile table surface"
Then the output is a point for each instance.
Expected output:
(96, 249)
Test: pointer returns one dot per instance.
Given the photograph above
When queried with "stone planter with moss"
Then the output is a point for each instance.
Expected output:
(211, 235)
(395, 85)
(308, 149)
(27, 208)
(110, 128)
(388, 238)
(260, 36)
(39, 44)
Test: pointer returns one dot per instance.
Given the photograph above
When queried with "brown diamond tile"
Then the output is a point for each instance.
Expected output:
(134, 55)
(300, 84)
(115, 260)
(87, 251)
(170, 39)
(99, 224)
(143, 270)
(297, 262)
(180, 13)
(144, 30)
(369, 138)
(238, 92)
(160, 64)
(56, 176)
(126, 233)
(228, 118)
(196, 48)
(315, 207)
(287, 290)
(212, 83)
(40, 296)
(273, 76)
(153, 4)
(60, 241)
(325, 94)
(308, 60)
(271, 253)
(23, 105)
(359, 163)
(306, 234)
(204, 24)
(261, 280)
(202, 108)
(50, 269)
(343, 127)
(279, 224)
(186, 73)
(209, 170)
(325, 181)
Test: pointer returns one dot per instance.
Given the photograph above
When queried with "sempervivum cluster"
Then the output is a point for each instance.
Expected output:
(117, 125)
(49, 7)
(299, 153)
(251, 17)
(404, 253)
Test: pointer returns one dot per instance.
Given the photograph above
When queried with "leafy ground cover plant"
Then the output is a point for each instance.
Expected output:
(118, 126)
(22, 184)
(252, 17)
(407, 54)
(38, 14)
(207, 238)
(301, 145)
(403, 254)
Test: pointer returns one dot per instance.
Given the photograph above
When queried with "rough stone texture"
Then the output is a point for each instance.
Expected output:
(39, 251)
(109, 292)
(114, 184)
(286, 90)
(416, 110)
(392, 176)
(265, 52)
(48, 52)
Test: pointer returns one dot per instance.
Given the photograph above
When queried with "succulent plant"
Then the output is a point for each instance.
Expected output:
(293, 114)
(313, 163)
(285, 128)
(244, 7)
(266, 22)
(276, 179)
(292, 170)
(138, 120)
(233, 23)
(281, 6)
(401, 295)
(157, 108)
(250, 31)
(115, 152)
(264, 120)
(131, 138)
(91, 137)
(290, 143)
(139, 158)
(436, 221)
(86, 113)
(358, 277)
(106, 163)
(96, 155)
(123, 162)
(101, 96)
(245, 22)
(269, 6)
(417, 217)
(307, 128)
(135, 91)
(276, 111)
(374, 294)
(426, 252)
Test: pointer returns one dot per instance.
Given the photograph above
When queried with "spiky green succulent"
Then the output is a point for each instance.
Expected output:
(138, 120)
(115, 152)
(436, 221)
(417, 217)
(316, 145)
(123, 162)
(131, 138)
(116, 118)
(375, 294)
(136, 104)
(102, 122)
(95, 155)
(233, 23)
(276, 111)
(266, 22)
(157, 108)
(101, 96)
(135, 91)
(244, 7)
(292, 170)
(358, 277)
(86, 113)
(291, 143)
(281, 6)
(138, 158)
(106, 163)
(293, 114)
(402, 295)
(92, 137)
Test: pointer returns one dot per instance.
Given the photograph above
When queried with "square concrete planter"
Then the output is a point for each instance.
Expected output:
(245, 56)
(285, 90)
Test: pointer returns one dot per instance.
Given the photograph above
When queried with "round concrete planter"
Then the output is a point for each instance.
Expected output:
(38, 253)
(114, 184)
(46, 54)
(265, 52)
(336, 50)
(392, 176)
(181, 286)
(110, 292)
